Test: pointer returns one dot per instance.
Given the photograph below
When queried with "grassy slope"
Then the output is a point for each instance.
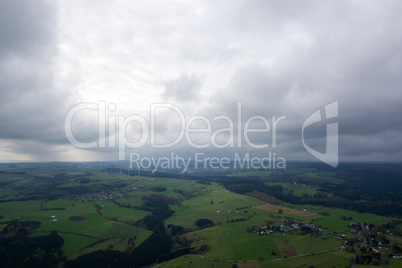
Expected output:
(225, 205)
(228, 241)
(331, 259)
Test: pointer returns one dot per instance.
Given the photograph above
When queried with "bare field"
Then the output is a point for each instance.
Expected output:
(286, 210)
(248, 265)
(286, 248)
(263, 196)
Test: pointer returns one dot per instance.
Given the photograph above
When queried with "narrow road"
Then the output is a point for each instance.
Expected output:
(62, 232)
(233, 261)
(281, 259)
(361, 246)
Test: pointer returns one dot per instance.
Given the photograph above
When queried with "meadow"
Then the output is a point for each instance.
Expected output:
(101, 211)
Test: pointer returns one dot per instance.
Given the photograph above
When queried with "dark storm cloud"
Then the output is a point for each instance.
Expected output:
(26, 27)
(346, 61)
(30, 104)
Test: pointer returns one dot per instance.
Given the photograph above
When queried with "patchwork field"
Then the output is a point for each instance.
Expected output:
(213, 203)
(285, 210)
(323, 260)
(285, 247)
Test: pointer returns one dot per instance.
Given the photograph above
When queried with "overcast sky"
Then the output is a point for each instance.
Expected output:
(275, 58)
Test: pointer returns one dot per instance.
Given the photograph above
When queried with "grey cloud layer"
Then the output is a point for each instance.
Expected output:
(30, 105)
(276, 57)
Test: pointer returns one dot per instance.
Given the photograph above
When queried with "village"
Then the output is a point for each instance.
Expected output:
(289, 225)
(104, 195)
(371, 240)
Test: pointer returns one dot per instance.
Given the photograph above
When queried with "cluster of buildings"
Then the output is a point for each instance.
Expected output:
(105, 195)
(289, 225)
(376, 243)
(269, 229)
(6, 189)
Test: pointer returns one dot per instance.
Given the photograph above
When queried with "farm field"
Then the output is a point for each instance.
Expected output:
(227, 242)
(214, 203)
(285, 210)
(335, 258)
(363, 217)
(214, 218)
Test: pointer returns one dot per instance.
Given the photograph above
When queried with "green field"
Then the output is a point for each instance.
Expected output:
(74, 242)
(362, 217)
(111, 210)
(295, 189)
(225, 205)
(77, 234)
(232, 242)
(229, 241)
(102, 211)
(323, 260)
(194, 261)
